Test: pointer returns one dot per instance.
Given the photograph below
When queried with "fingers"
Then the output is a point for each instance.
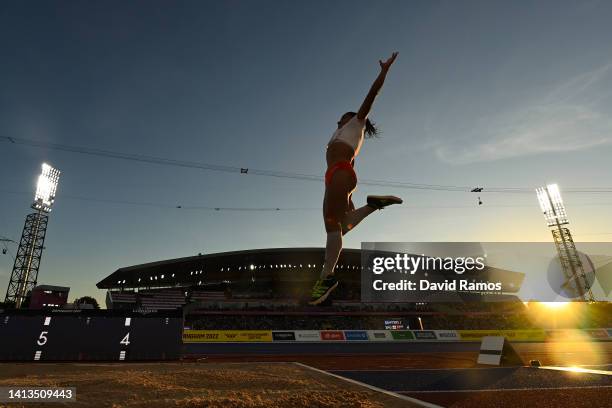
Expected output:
(390, 60)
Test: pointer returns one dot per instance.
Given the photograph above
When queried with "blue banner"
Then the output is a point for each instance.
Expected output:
(356, 335)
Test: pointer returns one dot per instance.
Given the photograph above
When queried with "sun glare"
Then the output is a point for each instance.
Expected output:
(554, 305)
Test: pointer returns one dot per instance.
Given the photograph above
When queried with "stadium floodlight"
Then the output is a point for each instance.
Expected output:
(46, 188)
(27, 262)
(552, 205)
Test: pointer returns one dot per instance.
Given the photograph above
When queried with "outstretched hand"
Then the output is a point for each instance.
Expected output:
(364, 110)
(387, 64)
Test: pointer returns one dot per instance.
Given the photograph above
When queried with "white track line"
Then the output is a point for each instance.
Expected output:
(371, 387)
(505, 389)
(576, 370)
(560, 368)
(594, 365)
(431, 369)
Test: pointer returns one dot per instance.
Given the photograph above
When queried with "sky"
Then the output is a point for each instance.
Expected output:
(483, 93)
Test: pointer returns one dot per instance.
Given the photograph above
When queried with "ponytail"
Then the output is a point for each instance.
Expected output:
(370, 129)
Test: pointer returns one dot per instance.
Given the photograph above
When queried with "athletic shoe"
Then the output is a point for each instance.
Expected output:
(321, 290)
(380, 202)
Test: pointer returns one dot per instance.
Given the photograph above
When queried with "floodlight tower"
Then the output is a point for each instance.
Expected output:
(555, 215)
(29, 253)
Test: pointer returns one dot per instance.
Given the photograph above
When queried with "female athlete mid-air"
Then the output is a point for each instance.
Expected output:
(339, 213)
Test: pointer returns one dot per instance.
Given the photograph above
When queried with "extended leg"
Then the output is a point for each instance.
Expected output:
(327, 281)
(333, 247)
(335, 206)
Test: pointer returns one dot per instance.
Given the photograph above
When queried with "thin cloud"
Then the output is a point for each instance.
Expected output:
(570, 117)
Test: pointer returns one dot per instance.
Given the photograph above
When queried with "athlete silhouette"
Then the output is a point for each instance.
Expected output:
(339, 213)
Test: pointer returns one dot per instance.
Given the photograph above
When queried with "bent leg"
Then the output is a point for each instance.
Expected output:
(353, 218)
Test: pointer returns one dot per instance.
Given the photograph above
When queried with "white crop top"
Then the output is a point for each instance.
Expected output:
(351, 134)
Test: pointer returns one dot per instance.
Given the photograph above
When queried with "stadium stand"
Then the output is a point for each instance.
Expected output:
(269, 288)
(162, 299)
(121, 300)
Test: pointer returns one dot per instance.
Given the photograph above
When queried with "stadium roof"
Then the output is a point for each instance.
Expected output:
(220, 266)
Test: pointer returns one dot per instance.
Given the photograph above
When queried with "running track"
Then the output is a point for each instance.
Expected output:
(500, 386)
(446, 374)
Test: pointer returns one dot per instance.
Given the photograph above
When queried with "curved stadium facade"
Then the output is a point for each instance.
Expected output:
(268, 275)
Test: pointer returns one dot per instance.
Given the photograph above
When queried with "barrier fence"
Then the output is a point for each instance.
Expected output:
(533, 335)
(89, 335)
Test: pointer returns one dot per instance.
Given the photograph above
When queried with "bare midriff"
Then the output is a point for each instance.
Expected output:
(338, 151)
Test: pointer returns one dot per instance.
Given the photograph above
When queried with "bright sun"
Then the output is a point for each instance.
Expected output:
(554, 305)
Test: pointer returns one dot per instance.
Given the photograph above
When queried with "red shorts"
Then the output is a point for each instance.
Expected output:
(342, 165)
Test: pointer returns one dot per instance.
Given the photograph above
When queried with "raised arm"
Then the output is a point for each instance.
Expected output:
(364, 110)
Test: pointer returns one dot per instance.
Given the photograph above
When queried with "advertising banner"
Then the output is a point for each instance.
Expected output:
(424, 335)
(307, 335)
(332, 335)
(512, 335)
(597, 333)
(379, 335)
(402, 335)
(283, 336)
(447, 335)
(578, 334)
(356, 335)
(229, 336)
(566, 335)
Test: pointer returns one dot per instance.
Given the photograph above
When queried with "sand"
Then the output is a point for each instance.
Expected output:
(227, 385)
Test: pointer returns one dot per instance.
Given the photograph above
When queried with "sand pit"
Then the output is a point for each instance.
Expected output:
(244, 385)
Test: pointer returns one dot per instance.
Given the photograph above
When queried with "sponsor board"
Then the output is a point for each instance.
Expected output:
(515, 335)
(228, 336)
(597, 333)
(379, 335)
(564, 334)
(307, 335)
(578, 334)
(447, 334)
(567, 335)
(402, 335)
(283, 336)
(424, 335)
(356, 335)
(332, 335)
